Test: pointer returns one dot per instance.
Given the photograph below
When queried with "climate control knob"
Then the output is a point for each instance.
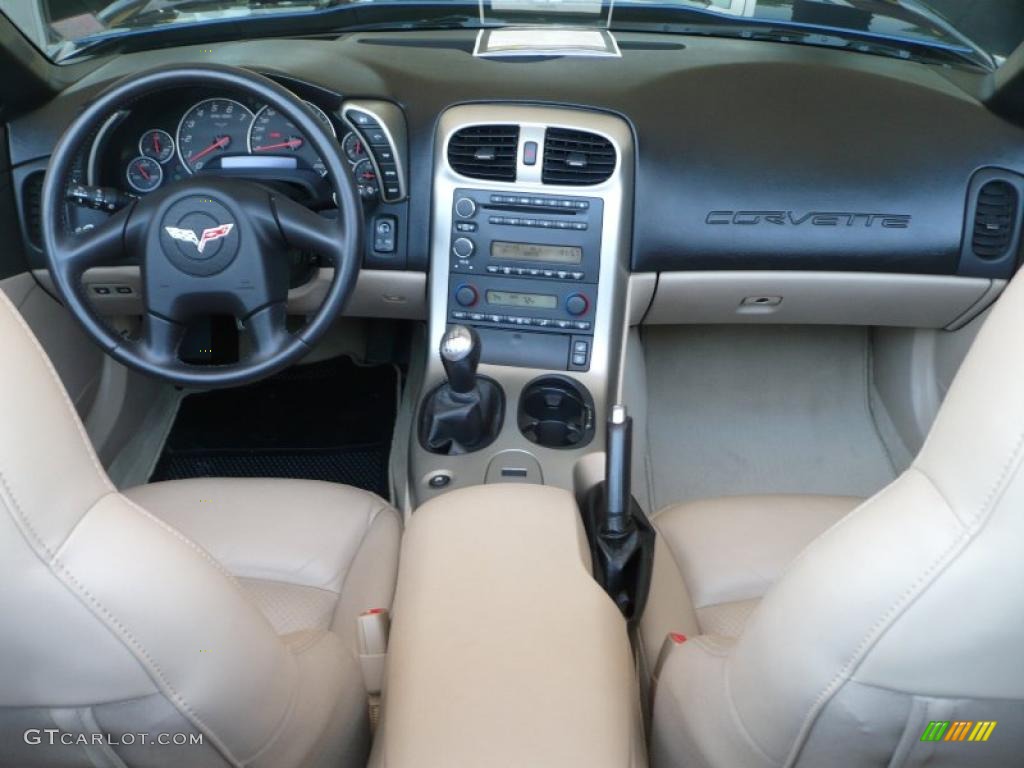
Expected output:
(466, 295)
(577, 304)
(463, 247)
(465, 208)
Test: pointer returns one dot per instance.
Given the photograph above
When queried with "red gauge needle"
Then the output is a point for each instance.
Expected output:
(290, 144)
(220, 143)
(142, 169)
(156, 142)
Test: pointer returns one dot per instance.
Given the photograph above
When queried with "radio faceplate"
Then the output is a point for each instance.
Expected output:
(528, 264)
(546, 237)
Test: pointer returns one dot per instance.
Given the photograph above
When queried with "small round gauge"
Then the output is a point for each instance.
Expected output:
(354, 148)
(274, 134)
(144, 174)
(157, 144)
(210, 129)
(366, 178)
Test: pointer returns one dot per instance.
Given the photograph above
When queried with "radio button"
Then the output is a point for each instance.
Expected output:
(576, 304)
(581, 325)
(465, 207)
(463, 247)
(459, 315)
(466, 295)
(492, 270)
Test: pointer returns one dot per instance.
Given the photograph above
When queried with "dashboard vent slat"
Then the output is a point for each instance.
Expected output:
(576, 158)
(994, 220)
(32, 194)
(485, 152)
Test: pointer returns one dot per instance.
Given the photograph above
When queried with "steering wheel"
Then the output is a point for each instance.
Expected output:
(206, 245)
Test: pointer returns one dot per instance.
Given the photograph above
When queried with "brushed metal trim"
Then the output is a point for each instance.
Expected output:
(392, 121)
(603, 380)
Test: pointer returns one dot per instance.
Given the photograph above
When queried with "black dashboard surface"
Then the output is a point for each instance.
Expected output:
(749, 154)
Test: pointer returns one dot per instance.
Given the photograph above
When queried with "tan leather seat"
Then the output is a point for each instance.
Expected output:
(220, 609)
(725, 553)
(908, 611)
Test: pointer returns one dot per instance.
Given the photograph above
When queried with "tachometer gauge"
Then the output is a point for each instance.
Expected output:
(274, 134)
(354, 148)
(210, 129)
(144, 174)
(366, 178)
(157, 144)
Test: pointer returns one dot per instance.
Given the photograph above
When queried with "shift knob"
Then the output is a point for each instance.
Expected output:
(460, 355)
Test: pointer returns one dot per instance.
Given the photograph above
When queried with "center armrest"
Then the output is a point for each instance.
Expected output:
(504, 650)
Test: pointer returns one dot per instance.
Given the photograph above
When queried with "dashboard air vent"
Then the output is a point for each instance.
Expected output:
(576, 157)
(994, 220)
(485, 152)
(32, 195)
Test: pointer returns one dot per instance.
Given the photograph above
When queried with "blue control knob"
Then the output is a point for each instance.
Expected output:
(577, 304)
(466, 295)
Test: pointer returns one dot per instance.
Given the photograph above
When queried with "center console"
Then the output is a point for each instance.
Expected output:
(503, 649)
(530, 244)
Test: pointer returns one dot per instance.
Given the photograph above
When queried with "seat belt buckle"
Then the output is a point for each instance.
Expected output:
(372, 627)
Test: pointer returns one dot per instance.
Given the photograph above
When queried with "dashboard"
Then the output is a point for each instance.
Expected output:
(736, 168)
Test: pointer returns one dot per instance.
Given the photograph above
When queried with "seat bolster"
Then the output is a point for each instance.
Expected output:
(714, 559)
(370, 579)
(328, 725)
(733, 548)
(294, 531)
(693, 715)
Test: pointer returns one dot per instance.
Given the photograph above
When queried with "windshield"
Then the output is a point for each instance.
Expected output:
(981, 32)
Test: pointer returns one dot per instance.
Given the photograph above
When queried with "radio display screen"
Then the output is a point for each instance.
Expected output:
(523, 300)
(559, 254)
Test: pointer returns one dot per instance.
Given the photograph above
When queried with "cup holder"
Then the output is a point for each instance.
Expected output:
(556, 412)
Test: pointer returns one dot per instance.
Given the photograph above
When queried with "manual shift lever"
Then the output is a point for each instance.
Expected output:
(465, 413)
(460, 355)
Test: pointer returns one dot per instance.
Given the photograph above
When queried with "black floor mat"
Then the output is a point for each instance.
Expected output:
(330, 421)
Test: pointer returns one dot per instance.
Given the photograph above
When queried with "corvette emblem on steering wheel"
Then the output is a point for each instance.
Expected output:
(200, 241)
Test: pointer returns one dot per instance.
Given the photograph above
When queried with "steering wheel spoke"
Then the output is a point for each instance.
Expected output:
(267, 329)
(160, 340)
(306, 230)
(103, 245)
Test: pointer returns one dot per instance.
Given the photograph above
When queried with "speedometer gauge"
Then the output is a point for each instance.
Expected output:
(274, 134)
(211, 129)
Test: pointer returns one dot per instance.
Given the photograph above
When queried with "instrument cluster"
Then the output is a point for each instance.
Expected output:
(154, 146)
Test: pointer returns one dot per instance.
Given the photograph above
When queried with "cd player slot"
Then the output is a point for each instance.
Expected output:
(535, 209)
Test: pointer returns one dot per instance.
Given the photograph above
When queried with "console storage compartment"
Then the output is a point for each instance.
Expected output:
(503, 648)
